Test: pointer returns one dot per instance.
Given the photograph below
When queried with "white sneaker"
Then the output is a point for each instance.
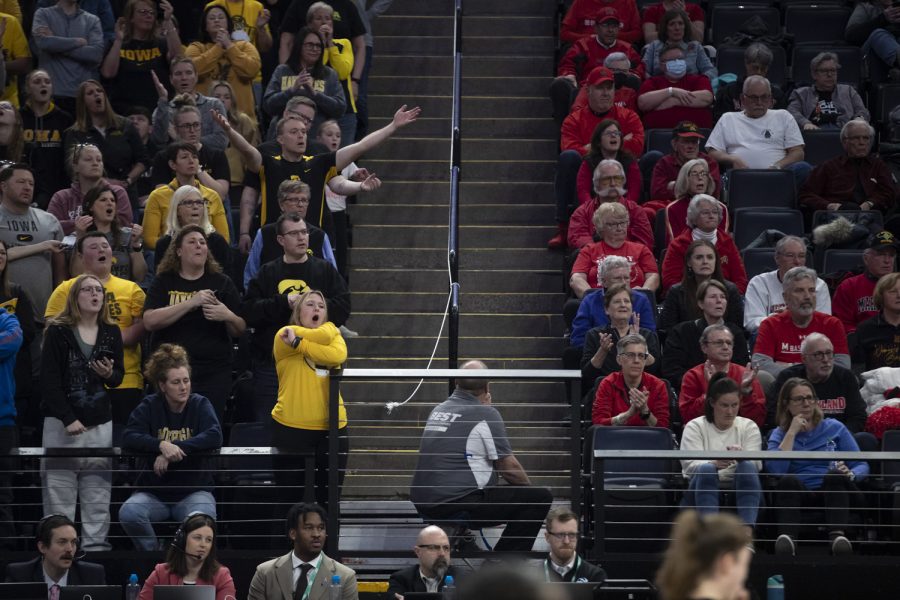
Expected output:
(348, 333)
(784, 545)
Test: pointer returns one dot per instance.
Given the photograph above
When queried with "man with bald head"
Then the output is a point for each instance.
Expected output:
(463, 453)
(433, 551)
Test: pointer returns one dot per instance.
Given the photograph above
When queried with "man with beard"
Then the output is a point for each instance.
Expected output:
(778, 343)
(564, 563)
(433, 551)
(609, 179)
(57, 541)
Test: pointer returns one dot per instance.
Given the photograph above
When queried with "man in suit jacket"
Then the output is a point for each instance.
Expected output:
(57, 541)
(564, 564)
(433, 551)
(306, 566)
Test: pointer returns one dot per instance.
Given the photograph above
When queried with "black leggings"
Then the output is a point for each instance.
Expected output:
(290, 471)
(792, 498)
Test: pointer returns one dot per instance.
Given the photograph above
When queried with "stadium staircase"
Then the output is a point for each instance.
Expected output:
(511, 300)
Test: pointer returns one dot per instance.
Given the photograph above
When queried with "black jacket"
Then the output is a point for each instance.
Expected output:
(586, 572)
(81, 573)
(408, 580)
(71, 389)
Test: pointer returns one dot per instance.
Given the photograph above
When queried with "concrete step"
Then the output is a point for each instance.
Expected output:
(400, 25)
(496, 362)
(472, 106)
(541, 127)
(540, 302)
(470, 322)
(504, 215)
(470, 192)
(471, 86)
(414, 236)
(372, 412)
(485, 7)
(398, 437)
(437, 45)
(485, 281)
(472, 170)
(436, 258)
(411, 148)
(398, 65)
(362, 393)
(366, 485)
(415, 345)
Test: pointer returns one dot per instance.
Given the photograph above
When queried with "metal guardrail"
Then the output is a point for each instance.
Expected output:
(455, 164)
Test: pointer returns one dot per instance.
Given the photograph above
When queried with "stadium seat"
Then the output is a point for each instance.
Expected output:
(821, 217)
(758, 260)
(849, 57)
(837, 260)
(885, 99)
(727, 19)
(821, 145)
(247, 480)
(761, 188)
(749, 223)
(816, 24)
(635, 504)
(731, 60)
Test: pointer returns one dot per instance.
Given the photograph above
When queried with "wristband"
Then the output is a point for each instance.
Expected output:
(296, 342)
(138, 248)
(644, 416)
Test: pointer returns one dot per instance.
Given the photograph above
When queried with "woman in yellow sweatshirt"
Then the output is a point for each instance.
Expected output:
(304, 352)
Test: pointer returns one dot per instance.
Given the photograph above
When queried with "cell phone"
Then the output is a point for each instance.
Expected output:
(160, 14)
(106, 354)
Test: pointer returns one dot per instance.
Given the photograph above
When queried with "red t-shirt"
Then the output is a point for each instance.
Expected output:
(854, 301)
(780, 338)
(638, 255)
(668, 118)
(625, 97)
(579, 20)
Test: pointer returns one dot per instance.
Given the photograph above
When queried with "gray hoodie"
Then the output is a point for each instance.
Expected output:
(67, 61)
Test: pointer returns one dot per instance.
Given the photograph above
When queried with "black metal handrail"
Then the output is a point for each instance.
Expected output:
(455, 164)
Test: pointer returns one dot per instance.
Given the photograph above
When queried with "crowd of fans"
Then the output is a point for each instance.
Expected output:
(668, 324)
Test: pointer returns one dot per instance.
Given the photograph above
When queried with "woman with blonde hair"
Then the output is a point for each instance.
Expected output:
(708, 558)
(81, 358)
(305, 350)
(188, 207)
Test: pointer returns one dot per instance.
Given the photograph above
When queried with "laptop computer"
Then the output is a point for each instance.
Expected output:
(423, 596)
(627, 589)
(184, 592)
(23, 591)
(90, 592)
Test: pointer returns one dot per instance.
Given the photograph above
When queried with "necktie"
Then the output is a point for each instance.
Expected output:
(302, 582)
(54, 592)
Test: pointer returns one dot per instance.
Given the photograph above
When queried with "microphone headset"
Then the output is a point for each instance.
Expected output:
(179, 542)
(48, 523)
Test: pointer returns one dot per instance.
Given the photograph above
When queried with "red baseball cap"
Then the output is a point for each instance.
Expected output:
(599, 75)
(607, 13)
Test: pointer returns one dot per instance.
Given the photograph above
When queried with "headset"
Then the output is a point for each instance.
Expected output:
(43, 527)
(179, 542)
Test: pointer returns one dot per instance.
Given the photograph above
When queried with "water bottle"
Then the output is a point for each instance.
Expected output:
(334, 590)
(775, 588)
(132, 589)
(830, 446)
(449, 588)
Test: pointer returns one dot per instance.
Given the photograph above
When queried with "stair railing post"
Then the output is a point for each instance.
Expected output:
(455, 163)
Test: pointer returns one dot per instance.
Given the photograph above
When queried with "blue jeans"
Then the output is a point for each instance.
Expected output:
(884, 45)
(566, 175)
(140, 511)
(801, 172)
(703, 490)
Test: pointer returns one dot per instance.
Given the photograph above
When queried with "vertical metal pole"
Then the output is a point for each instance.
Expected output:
(455, 164)
(332, 543)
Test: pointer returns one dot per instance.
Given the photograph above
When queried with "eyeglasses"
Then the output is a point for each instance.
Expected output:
(803, 400)
(434, 547)
(821, 354)
(614, 134)
(794, 255)
(859, 138)
(563, 535)
(190, 126)
(760, 98)
(827, 71)
(302, 117)
(721, 343)
(144, 12)
(91, 288)
(193, 203)
(296, 234)
(295, 201)
(312, 45)
(641, 356)
(611, 180)
(618, 225)
(699, 175)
